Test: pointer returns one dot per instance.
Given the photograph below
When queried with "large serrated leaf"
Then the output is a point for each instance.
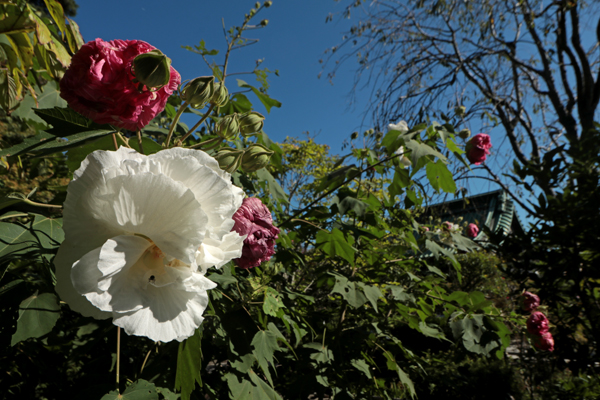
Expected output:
(40, 236)
(37, 316)
(265, 344)
(138, 390)
(189, 364)
(335, 244)
(349, 291)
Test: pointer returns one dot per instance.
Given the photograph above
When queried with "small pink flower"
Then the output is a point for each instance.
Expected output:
(472, 230)
(254, 219)
(478, 148)
(99, 85)
(449, 226)
(544, 342)
(537, 323)
(529, 301)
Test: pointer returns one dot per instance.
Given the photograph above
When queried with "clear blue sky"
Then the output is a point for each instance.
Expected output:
(293, 42)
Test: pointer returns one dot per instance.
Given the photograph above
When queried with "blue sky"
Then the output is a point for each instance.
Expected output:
(293, 42)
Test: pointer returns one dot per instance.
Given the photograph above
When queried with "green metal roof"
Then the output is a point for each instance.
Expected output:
(493, 209)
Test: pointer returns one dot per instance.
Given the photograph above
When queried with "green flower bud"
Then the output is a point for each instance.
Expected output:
(152, 70)
(257, 4)
(464, 133)
(228, 127)
(198, 91)
(268, 3)
(221, 95)
(229, 159)
(264, 22)
(256, 157)
(251, 122)
(460, 110)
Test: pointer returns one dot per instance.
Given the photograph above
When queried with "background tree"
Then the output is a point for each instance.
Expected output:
(528, 69)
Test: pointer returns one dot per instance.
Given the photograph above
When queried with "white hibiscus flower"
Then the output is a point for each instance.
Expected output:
(140, 232)
(400, 126)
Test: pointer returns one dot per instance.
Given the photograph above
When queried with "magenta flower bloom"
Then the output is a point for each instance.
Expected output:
(472, 230)
(478, 148)
(544, 342)
(99, 85)
(254, 219)
(529, 301)
(537, 323)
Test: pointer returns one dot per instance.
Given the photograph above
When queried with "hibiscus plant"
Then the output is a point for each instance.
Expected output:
(153, 259)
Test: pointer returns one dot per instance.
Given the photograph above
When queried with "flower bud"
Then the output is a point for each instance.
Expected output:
(257, 4)
(268, 3)
(264, 22)
(251, 122)
(256, 157)
(229, 159)
(221, 95)
(228, 127)
(460, 110)
(464, 133)
(151, 69)
(199, 91)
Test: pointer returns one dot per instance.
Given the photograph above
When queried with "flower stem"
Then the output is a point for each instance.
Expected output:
(212, 106)
(175, 121)
(118, 356)
(139, 138)
(217, 139)
(33, 203)
(114, 137)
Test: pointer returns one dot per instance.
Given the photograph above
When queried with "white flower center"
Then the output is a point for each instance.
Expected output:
(155, 268)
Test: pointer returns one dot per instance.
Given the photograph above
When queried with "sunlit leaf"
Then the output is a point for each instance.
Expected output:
(37, 316)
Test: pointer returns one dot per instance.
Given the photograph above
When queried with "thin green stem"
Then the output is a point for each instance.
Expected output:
(114, 138)
(118, 356)
(139, 138)
(33, 203)
(212, 106)
(175, 121)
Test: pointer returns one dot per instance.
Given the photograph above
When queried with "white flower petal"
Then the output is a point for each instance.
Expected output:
(171, 314)
(154, 206)
(104, 271)
(219, 252)
(66, 257)
(202, 175)
(401, 126)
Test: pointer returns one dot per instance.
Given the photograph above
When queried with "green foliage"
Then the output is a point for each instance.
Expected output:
(354, 301)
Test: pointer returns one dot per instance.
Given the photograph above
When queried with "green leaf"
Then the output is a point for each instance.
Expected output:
(41, 236)
(393, 366)
(189, 364)
(57, 13)
(49, 98)
(362, 366)
(255, 389)
(267, 101)
(138, 390)
(323, 354)
(372, 292)
(334, 244)
(272, 302)
(440, 177)
(37, 316)
(265, 344)
(66, 121)
(261, 389)
(418, 150)
(348, 290)
(275, 188)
